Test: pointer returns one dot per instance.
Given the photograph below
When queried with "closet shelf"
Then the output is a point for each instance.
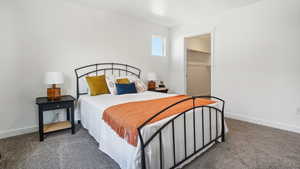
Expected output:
(196, 50)
(199, 64)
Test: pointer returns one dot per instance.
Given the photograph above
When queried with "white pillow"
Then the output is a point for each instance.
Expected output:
(110, 81)
(83, 86)
(140, 85)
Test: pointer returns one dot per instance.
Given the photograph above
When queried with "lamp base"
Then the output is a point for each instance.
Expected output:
(53, 93)
(151, 85)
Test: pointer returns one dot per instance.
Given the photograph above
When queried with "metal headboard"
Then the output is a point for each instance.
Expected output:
(104, 68)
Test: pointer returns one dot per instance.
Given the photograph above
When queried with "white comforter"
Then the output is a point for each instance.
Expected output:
(127, 156)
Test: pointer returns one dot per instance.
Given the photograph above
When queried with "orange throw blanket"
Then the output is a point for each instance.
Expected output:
(126, 118)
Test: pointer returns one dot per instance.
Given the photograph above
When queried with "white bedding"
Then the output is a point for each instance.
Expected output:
(128, 156)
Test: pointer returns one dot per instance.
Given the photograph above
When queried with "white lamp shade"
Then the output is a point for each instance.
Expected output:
(152, 76)
(54, 78)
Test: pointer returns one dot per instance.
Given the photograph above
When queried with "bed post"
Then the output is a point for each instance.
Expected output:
(142, 150)
(77, 84)
(223, 123)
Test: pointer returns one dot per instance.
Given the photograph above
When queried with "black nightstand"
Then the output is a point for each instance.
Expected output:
(161, 90)
(65, 102)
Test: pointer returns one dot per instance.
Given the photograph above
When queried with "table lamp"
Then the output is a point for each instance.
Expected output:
(151, 80)
(54, 78)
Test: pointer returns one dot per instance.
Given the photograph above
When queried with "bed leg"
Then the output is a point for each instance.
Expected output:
(223, 131)
(223, 126)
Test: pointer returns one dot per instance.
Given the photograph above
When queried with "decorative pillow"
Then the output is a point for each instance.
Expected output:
(140, 85)
(126, 88)
(123, 81)
(83, 86)
(110, 81)
(97, 85)
(131, 78)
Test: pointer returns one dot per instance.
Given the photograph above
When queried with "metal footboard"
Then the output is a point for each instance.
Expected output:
(218, 113)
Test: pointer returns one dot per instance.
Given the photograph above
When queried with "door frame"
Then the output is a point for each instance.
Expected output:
(212, 60)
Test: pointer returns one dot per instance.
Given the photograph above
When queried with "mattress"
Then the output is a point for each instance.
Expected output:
(128, 156)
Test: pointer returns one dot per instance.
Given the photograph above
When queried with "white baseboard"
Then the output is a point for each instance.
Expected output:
(277, 125)
(20, 131)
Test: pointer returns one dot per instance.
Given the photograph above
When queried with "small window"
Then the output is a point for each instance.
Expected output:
(158, 46)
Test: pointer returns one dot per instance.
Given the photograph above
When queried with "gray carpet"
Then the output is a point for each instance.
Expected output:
(248, 146)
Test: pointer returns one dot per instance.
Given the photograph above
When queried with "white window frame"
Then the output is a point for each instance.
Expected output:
(164, 44)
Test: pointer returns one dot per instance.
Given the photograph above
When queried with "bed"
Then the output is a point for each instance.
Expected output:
(169, 143)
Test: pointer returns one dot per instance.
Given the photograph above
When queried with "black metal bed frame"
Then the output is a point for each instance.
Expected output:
(158, 133)
(131, 70)
(104, 68)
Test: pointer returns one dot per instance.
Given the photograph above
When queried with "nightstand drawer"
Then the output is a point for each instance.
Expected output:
(54, 106)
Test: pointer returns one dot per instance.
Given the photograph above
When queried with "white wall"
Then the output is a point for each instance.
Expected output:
(256, 65)
(53, 35)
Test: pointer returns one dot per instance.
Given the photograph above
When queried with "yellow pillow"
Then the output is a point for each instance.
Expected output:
(97, 85)
(123, 81)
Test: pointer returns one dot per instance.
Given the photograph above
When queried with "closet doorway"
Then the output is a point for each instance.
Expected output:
(198, 65)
